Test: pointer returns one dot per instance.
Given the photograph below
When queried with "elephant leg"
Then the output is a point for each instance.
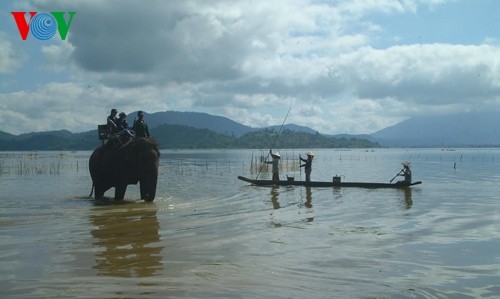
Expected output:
(148, 190)
(99, 191)
(120, 191)
(144, 193)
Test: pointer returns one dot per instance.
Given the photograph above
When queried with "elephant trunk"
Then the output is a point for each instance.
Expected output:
(148, 184)
(147, 165)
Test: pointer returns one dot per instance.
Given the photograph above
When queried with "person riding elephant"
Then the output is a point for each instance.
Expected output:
(111, 123)
(140, 126)
(137, 162)
(121, 122)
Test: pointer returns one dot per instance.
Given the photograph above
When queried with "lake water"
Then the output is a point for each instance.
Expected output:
(209, 235)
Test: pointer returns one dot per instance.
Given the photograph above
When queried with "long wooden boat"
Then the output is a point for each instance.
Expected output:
(327, 184)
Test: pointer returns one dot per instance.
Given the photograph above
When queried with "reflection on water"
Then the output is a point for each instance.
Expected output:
(306, 200)
(407, 197)
(308, 203)
(275, 197)
(129, 239)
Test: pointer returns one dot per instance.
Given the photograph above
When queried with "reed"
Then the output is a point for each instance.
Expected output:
(25, 164)
(27, 168)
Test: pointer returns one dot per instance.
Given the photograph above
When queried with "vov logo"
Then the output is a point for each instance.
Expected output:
(43, 25)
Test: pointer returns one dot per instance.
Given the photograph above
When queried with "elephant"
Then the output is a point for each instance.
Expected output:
(116, 165)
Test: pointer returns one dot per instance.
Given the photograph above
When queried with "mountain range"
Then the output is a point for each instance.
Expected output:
(214, 123)
(174, 129)
(461, 129)
(201, 129)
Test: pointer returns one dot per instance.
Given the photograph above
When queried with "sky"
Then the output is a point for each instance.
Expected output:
(340, 66)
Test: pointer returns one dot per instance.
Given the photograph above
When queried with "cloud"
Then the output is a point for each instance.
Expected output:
(70, 106)
(167, 41)
(433, 74)
(249, 61)
(57, 57)
(10, 59)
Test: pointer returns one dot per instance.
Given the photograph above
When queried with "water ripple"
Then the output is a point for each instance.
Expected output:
(209, 235)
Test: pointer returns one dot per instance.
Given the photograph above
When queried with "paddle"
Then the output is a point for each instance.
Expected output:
(274, 142)
(300, 168)
(396, 175)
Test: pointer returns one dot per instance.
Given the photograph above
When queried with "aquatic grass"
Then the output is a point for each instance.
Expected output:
(27, 168)
(222, 166)
(57, 163)
(25, 164)
(2, 168)
(189, 167)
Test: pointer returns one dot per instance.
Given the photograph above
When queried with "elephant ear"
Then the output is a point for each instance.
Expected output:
(144, 145)
(146, 150)
(128, 154)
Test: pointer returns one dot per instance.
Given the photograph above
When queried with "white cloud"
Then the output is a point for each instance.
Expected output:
(69, 106)
(249, 61)
(57, 57)
(10, 58)
(424, 74)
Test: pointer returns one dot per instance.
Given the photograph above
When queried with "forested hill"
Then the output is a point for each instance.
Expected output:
(183, 137)
(175, 136)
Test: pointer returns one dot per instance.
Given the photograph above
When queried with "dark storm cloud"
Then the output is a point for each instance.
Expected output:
(167, 40)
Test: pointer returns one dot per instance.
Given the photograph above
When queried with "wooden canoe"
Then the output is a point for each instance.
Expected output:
(327, 184)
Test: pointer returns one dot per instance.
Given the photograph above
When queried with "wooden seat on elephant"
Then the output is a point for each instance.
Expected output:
(102, 132)
(119, 141)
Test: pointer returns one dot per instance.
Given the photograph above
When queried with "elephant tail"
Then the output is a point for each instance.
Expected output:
(91, 190)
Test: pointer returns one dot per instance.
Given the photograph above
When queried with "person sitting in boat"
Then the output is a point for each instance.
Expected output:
(308, 165)
(406, 173)
(275, 162)
(111, 123)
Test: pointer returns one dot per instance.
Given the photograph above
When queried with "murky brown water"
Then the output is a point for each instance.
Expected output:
(208, 235)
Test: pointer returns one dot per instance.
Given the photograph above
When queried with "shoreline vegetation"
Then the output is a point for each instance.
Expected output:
(183, 137)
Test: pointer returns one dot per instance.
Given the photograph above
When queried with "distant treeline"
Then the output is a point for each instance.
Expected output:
(183, 137)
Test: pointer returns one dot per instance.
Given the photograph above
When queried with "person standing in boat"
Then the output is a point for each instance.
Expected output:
(406, 173)
(308, 165)
(275, 162)
(140, 126)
